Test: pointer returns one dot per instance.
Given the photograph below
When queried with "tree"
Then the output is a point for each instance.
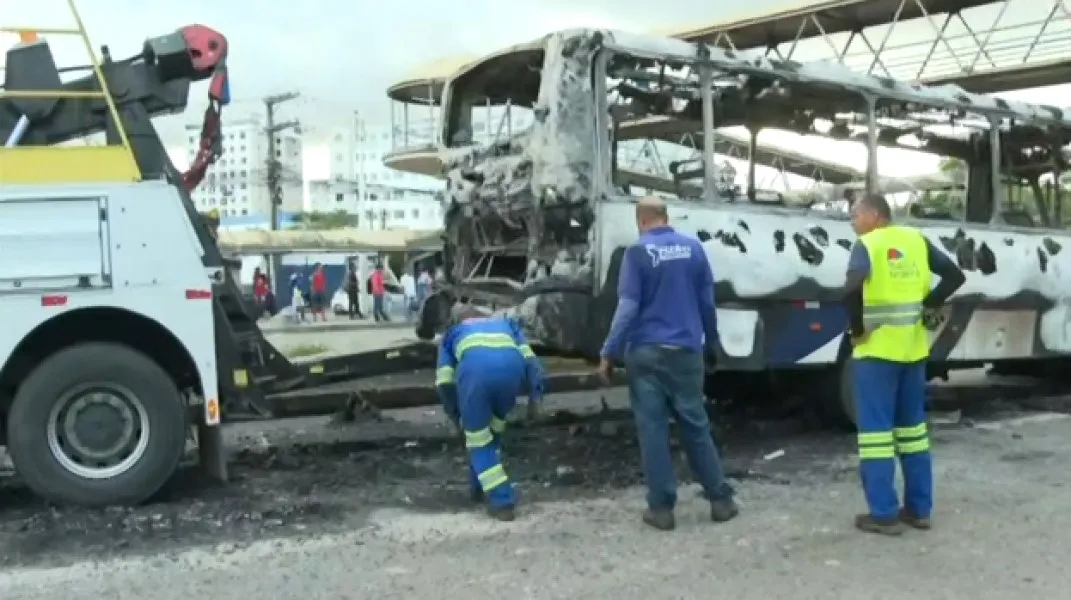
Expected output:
(948, 201)
(317, 220)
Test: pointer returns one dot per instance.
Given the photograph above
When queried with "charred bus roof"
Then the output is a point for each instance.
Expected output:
(753, 64)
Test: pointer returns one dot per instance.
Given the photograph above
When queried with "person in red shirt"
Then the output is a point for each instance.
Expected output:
(318, 297)
(260, 291)
(379, 292)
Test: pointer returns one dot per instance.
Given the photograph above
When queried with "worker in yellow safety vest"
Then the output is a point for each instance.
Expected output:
(889, 299)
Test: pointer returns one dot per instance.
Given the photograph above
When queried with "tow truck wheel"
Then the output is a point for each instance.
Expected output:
(97, 424)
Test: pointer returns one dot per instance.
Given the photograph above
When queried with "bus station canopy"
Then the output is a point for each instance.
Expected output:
(262, 241)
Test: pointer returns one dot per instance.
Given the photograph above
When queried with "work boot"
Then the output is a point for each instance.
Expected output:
(723, 510)
(502, 513)
(912, 521)
(660, 519)
(869, 524)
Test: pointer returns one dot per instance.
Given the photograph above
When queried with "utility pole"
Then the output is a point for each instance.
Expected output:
(275, 168)
(274, 165)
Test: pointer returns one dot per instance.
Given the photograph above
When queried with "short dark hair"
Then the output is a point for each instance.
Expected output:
(463, 311)
(878, 204)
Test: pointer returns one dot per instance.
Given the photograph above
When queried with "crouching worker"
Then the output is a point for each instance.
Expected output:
(484, 363)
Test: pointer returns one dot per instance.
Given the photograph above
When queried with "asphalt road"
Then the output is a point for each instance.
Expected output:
(378, 510)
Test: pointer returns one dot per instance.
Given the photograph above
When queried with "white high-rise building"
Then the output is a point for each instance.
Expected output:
(360, 184)
(385, 208)
(357, 155)
(382, 197)
(237, 184)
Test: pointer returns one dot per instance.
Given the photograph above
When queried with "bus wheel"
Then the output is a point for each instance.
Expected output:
(97, 424)
(838, 399)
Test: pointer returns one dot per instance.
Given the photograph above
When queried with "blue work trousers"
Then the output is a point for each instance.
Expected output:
(891, 414)
(488, 383)
(663, 383)
(379, 308)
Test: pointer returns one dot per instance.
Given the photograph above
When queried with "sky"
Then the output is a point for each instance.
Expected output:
(343, 55)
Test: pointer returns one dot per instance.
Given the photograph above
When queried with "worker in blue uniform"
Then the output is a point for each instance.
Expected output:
(665, 325)
(890, 298)
(484, 364)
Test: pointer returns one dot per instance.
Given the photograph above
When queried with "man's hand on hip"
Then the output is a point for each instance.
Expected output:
(860, 338)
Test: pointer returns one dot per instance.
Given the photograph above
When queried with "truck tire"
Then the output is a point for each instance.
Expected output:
(838, 405)
(95, 425)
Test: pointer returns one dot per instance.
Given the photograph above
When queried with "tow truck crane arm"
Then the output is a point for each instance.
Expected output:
(208, 51)
(156, 81)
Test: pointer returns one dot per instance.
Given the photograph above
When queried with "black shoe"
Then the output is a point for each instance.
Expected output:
(911, 520)
(723, 510)
(661, 520)
(502, 513)
(869, 524)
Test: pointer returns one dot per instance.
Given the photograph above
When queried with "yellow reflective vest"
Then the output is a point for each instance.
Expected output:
(892, 295)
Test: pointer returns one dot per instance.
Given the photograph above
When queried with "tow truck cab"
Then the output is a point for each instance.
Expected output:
(109, 314)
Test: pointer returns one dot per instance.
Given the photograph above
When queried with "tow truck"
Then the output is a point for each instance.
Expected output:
(126, 333)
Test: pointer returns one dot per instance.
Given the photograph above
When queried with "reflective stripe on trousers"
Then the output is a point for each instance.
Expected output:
(444, 376)
(486, 458)
(888, 444)
(912, 440)
(876, 445)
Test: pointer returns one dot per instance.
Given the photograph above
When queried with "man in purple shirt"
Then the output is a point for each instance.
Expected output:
(665, 326)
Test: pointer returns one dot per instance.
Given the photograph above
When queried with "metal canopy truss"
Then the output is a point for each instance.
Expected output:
(645, 166)
(734, 146)
(983, 45)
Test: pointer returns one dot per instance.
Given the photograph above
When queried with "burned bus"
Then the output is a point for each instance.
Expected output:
(537, 222)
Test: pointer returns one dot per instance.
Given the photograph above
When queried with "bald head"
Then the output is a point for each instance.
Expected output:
(651, 212)
(870, 212)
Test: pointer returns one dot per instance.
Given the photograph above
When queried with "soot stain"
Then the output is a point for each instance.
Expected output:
(730, 239)
(808, 251)
(819, 234)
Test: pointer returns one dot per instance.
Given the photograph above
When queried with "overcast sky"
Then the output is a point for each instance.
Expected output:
(343, 55)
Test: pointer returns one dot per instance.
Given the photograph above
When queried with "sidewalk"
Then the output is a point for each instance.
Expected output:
(334, 323)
